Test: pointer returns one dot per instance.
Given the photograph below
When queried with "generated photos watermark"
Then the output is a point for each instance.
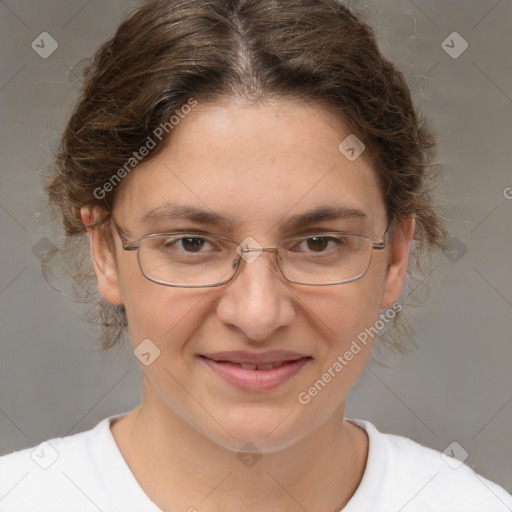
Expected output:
(304, 397)
(138, 156)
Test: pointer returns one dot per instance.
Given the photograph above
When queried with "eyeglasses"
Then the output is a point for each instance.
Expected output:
(193, 260)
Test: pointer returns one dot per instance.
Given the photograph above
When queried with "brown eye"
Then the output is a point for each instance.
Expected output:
(192, 244)
(184, 244)
(189, 244)
(318, 244)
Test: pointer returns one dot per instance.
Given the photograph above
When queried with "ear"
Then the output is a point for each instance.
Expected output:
(398, 261)
(103, 259)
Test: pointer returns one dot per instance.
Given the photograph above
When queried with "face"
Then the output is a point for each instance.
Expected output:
(257, 166)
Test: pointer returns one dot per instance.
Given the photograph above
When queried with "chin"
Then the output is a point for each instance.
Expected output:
(256, 429)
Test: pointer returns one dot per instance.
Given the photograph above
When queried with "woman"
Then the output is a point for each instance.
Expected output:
(251, 177)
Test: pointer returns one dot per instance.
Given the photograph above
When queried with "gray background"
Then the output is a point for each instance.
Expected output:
(456, 386)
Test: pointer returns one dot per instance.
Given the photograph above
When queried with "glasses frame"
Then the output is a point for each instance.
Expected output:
(134, 245)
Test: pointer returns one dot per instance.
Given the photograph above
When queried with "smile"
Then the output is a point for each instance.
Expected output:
(255, 377)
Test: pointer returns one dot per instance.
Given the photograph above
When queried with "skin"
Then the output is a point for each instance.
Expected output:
(256, 164)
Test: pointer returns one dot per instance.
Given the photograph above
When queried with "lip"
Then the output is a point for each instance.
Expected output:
(256, 380)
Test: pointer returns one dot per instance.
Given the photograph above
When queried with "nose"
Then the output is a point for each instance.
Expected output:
(258, 299)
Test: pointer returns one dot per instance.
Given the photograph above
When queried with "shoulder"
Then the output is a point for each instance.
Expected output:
(51, 474)
(412, 477)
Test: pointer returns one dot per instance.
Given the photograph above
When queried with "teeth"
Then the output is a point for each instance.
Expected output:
(248, 366)
(269, 366)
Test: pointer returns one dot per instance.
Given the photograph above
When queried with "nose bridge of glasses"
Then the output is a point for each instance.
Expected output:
(258, 249)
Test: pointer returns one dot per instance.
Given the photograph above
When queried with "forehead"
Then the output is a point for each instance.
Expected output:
(256, 164)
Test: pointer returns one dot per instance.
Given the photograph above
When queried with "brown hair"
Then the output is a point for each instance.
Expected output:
(169, 51)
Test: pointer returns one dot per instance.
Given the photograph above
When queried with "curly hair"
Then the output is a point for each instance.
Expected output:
(169, 51)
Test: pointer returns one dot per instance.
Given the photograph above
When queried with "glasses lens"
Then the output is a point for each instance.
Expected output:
(190, 259)
(186, 259)
(326, 258)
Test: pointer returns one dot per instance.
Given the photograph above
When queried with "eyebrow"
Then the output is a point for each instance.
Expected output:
(200, 216)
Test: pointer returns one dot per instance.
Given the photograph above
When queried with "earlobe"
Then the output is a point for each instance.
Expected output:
(104, 262)
(398, 262)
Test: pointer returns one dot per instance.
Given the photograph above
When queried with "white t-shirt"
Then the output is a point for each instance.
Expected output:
(86, 472)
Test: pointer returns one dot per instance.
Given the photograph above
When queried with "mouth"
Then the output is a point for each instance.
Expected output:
(254, 377)
(249, 366)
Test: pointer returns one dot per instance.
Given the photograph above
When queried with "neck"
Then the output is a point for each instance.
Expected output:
(181, 469)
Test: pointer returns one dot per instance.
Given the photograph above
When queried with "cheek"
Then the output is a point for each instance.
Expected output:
(346, 318)
(345, 311)
(156, 312)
